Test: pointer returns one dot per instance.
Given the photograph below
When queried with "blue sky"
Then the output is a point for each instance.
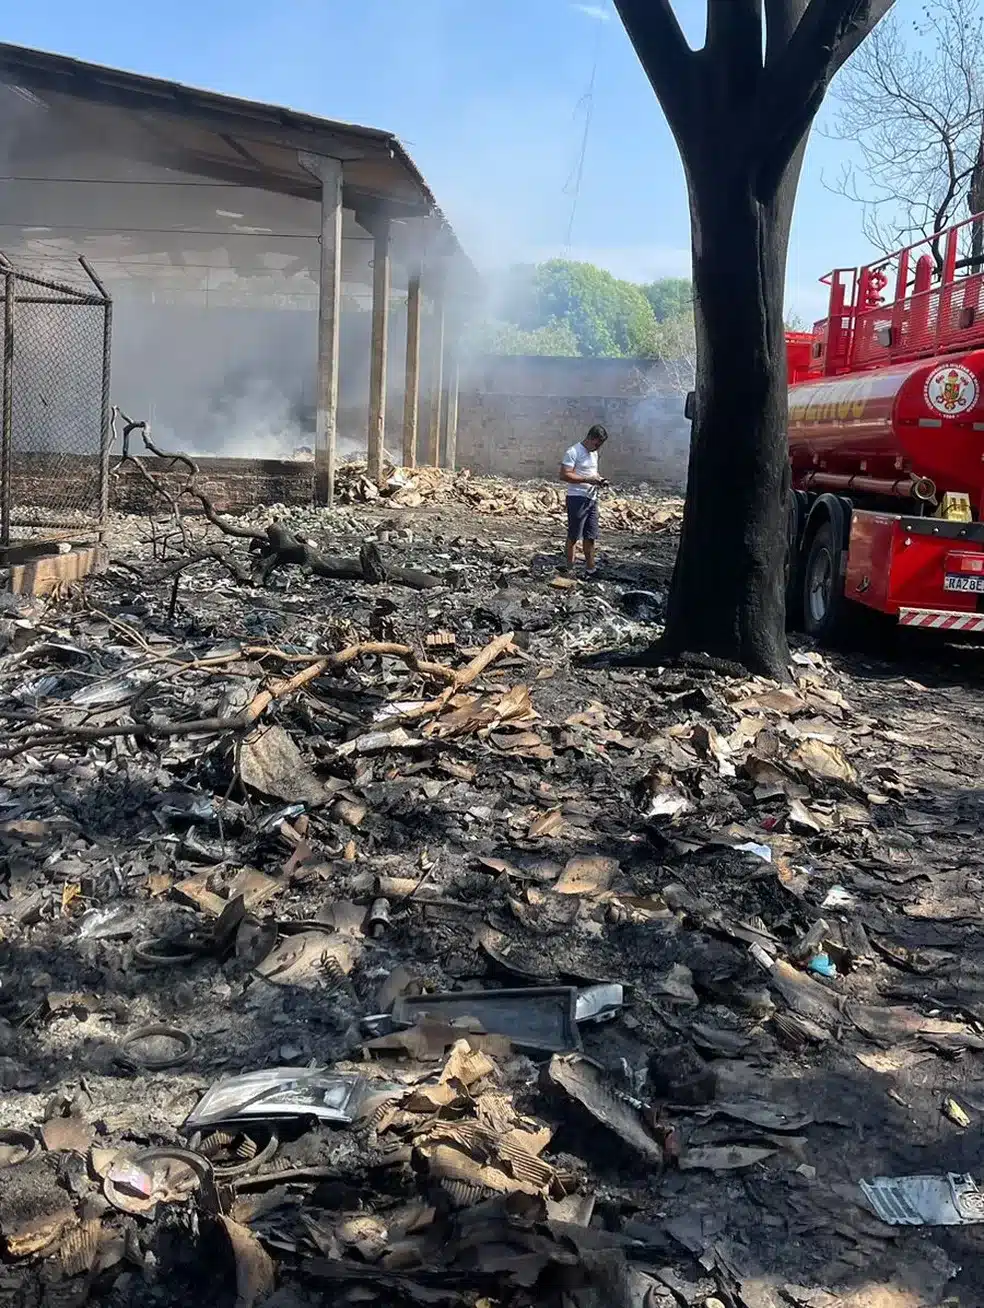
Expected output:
(489, 97)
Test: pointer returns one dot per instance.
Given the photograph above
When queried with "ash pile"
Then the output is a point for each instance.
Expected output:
(359, 945)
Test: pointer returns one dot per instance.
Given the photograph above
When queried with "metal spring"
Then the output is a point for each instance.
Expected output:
(333, 972)
(228, 1171)
(246, 1149)
(214, 1144)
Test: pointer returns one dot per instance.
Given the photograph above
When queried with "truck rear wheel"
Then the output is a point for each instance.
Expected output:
(823, 594)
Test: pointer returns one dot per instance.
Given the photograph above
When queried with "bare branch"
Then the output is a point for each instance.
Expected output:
(52, 732)
(915, 111)
(274, 547)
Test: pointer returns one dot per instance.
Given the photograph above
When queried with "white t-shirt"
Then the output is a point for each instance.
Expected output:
(585, 464)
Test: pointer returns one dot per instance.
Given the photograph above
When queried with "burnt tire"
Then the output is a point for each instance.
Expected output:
(824, 605)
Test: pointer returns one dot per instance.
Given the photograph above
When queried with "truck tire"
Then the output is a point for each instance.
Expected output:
(824, 605)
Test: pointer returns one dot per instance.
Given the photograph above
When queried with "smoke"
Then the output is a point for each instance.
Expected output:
(257, 420)
(215, 289)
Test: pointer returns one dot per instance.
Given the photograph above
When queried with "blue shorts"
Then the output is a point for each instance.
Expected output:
(582, 517)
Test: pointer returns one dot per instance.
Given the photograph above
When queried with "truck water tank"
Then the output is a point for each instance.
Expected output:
(923, 419)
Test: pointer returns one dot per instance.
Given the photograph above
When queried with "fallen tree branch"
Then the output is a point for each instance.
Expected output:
(389, 649)
(237, 570)
(276, 547)
(283, 547)
(193, 727)
(145, 730)
(366, 648)
(654, 656)
(261, 702)
(465, 677)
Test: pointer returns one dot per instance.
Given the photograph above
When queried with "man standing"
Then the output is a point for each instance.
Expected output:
(579, 469)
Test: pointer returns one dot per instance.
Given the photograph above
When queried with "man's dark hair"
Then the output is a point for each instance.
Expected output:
(598, 433)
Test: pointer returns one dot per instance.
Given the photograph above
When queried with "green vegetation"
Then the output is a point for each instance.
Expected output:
(568, 310)
(608, 317)
(671, 297)
(554, 338)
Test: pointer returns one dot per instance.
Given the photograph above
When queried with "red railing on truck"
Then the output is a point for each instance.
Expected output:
(923, 300)
(886, 441)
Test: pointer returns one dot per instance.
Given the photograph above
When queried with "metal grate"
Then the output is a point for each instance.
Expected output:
(54, 416)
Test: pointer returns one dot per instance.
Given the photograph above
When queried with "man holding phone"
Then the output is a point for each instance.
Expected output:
(579, 468)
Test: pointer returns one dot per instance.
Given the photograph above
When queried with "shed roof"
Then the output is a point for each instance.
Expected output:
(230, 139)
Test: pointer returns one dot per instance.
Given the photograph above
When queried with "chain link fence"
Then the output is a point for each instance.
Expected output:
(55, 416)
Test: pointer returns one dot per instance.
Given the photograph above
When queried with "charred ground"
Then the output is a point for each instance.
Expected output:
(864, 775)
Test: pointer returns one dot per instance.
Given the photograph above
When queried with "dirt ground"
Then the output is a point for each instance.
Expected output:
(671, 831)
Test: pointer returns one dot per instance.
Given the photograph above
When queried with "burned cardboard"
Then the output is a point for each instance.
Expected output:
(582, 1082)
(150, 834)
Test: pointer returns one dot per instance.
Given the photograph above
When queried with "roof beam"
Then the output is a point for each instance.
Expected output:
(240, 149)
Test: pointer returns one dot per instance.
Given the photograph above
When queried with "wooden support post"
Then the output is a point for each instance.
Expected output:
(437, 383)
(329, 172)
(377, 363)
(411, 395)
(452, 371)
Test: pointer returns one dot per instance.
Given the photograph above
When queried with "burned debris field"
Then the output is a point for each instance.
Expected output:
(359, 945)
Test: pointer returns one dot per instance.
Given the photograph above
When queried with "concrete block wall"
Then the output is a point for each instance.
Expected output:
(517, 416)
(515, 419)
(526, 436)
(231, 484)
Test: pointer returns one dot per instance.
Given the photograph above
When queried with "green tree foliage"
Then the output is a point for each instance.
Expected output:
(609, 317)
(565, 309)
(553, 338)
(676, 348)
(671, 297)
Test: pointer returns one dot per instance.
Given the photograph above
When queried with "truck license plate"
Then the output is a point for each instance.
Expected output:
(960, 581)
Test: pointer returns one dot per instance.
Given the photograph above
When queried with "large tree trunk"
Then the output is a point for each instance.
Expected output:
(740, 109)
(727, 596)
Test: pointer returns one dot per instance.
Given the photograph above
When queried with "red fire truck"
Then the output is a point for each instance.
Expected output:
(886, 442)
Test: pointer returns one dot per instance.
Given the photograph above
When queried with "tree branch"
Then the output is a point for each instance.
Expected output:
(782, 17)
(862, 18)
(56, 733)
(669, 62)
(275, 546)
(914, 109)
(734, 46)
(793, 88)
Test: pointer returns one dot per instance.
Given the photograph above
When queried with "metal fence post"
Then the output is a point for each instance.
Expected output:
(107, 430)
(7, 421)
(106, 433)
